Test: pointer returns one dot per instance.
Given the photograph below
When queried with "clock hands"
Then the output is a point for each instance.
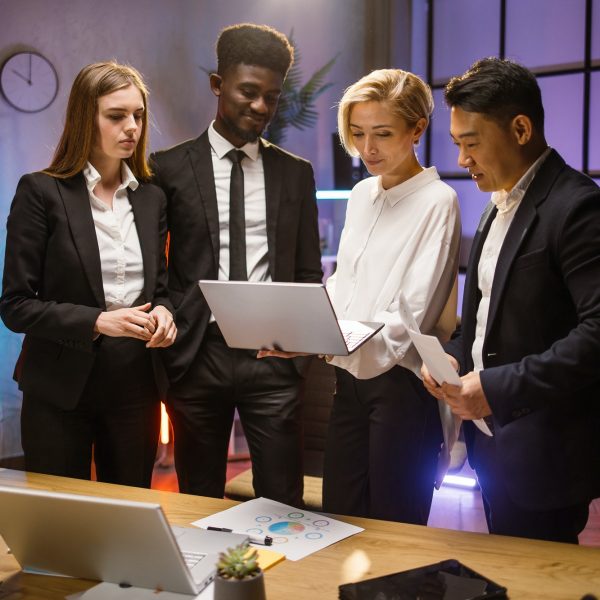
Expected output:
(28, 81)
(23, 76)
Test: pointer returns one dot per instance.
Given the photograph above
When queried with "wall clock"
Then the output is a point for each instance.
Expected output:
(28, 81)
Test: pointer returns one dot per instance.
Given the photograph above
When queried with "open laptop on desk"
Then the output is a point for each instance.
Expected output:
(118, 541)
(293, 317)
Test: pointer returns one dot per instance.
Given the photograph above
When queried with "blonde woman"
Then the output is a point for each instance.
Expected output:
(401, 234)
(85, 281)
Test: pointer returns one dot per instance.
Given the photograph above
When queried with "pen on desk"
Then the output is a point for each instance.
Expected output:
(265, 540)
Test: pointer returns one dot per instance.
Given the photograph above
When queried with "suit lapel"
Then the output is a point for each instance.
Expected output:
(201, 159)
(483, 229)
(523, 220)
(471, 292)
(273, 170)
(147, 235)
(517, 231)
(76, 201)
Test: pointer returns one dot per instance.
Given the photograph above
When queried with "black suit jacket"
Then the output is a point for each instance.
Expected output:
(52, 284)
(541, 350)
(185, 173)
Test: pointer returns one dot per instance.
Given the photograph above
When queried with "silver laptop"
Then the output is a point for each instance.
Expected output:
(118, 541)
(294, 317)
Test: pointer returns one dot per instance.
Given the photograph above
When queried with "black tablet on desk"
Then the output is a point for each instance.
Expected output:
(446, 580)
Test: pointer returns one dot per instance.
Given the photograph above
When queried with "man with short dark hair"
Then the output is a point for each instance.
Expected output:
(528, 348)
(238, 208)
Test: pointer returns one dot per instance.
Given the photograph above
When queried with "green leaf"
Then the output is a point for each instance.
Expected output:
(297, 102)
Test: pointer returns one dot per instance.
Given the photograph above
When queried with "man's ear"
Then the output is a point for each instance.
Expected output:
(522, 129)
(215, 83)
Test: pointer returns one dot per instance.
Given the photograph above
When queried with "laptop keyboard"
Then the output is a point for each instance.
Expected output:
(354, 338)
(192, 558)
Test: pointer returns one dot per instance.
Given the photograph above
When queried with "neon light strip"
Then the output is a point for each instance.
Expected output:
(460, 481)
(164, 425)
(333, 194)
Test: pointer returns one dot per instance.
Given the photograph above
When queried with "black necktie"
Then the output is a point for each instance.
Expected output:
(237, 219)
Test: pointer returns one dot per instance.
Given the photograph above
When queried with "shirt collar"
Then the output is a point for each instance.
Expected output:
(404, 189)
(221, 146)
(92, 177)
(506, 201)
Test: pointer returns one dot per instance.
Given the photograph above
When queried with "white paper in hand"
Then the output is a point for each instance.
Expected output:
(430, 346)
(435, 359)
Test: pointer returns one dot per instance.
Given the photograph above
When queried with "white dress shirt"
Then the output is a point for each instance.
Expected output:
(402, 239)
(255, 205)
(506, 203)
(118, 242)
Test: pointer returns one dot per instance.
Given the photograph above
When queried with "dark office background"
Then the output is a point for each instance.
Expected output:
(170, 42)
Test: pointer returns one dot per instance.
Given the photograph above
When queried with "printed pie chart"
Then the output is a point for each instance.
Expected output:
(286, 528)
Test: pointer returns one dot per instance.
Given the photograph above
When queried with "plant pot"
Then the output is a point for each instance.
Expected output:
(252, 588)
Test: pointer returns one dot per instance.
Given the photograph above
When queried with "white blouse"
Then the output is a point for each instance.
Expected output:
(118, 242)
(402, 239)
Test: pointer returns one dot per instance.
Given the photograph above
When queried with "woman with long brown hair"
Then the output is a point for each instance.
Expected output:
(85, 281)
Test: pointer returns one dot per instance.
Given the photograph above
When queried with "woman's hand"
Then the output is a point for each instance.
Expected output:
(132, 322)
(166, 331)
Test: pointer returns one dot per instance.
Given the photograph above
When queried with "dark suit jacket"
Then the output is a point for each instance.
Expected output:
(185, 173)
(541, 350)
(52, 285)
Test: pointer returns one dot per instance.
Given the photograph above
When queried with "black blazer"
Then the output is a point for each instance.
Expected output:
(185, 174)
(541, 350)
(52, 285)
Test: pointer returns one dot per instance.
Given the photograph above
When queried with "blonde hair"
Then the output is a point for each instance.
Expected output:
(407, 95)
(75, 144)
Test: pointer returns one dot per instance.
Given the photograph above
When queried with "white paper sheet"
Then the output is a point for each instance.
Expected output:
(439, 366)
(483, 427)
(296, 533)
(451, 428)
(435, 358)
(450, 422)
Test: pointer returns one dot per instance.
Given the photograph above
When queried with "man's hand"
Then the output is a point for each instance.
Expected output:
(166, 331)
(132, 322)
(469, 401)
(431, 384)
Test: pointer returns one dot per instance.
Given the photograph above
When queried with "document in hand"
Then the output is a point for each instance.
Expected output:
(428, 346)
(436, 361)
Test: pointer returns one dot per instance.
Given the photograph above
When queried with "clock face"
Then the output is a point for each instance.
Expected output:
(28, 82)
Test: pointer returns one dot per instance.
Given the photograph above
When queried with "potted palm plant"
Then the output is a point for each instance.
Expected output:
(238, 575)
(297, 102)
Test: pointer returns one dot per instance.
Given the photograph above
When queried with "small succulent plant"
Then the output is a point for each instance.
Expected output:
(238, 562)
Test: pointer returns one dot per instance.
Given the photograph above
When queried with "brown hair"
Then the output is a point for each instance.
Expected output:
(75, 144)
(408, 97)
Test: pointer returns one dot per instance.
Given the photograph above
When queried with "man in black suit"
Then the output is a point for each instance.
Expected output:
(529, 346)
(277, 240)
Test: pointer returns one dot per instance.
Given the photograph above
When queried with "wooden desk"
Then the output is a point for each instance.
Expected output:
(529, 569)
